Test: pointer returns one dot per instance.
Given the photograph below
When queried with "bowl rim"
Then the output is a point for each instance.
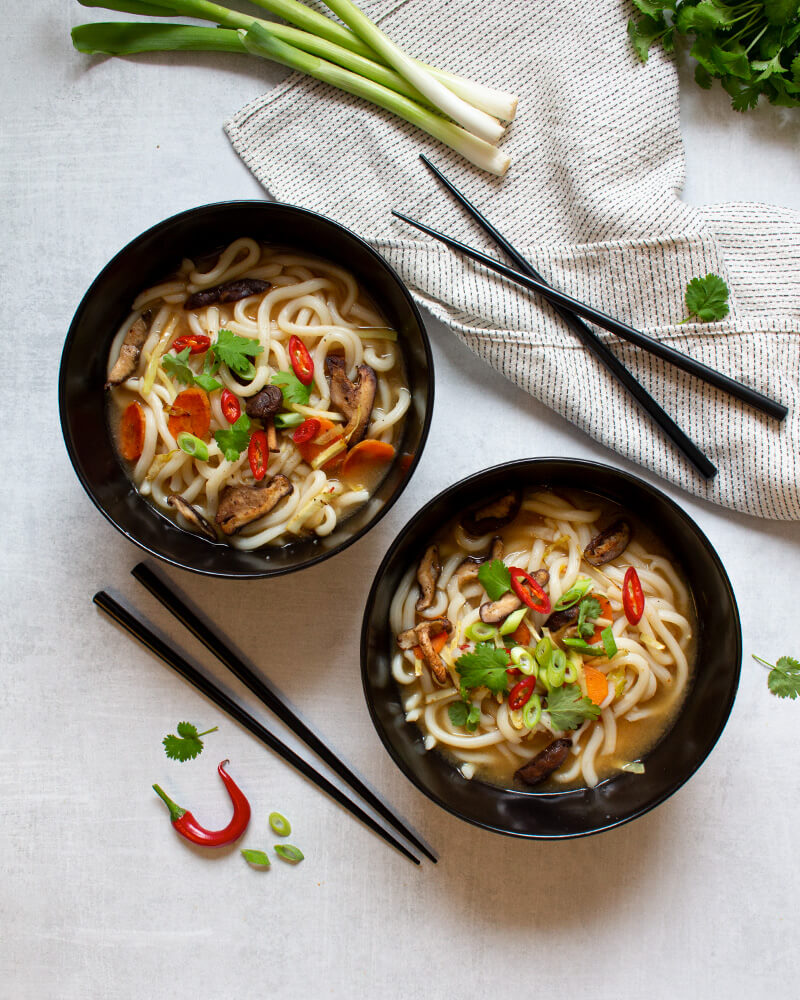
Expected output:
(474, 480)
(83, 305)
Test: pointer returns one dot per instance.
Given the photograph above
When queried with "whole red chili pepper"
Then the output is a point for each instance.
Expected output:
(188, 827)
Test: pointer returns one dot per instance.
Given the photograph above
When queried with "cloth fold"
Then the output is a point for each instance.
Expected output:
(592, 198)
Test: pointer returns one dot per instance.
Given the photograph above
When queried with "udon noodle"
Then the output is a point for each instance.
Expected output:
(326, 444)
(624, 690)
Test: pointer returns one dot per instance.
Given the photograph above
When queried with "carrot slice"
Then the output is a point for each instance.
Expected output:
(131, 432)
(521, 635)
(605, 612)
(190, 412)
(438, 642)
(309, 450)
(596, 685)
(365, 461)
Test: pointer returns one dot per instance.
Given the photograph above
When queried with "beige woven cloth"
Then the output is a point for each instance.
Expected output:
(592, 199)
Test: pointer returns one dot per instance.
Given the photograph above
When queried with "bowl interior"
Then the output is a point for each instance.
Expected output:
(668, 765)
(147, 259)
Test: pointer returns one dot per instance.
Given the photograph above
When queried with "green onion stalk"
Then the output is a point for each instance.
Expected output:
(240, 33)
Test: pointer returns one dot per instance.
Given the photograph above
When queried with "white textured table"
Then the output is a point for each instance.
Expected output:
(99, 897)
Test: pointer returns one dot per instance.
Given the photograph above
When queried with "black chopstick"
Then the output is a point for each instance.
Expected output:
(741, 392)
(591, 341)
(264, 692)
(156, 645)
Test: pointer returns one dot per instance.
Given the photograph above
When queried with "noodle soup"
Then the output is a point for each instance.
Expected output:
(543, 638)
(256, 397)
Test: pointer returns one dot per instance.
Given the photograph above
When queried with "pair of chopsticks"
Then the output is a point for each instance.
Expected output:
(573, 312)
(265, 693)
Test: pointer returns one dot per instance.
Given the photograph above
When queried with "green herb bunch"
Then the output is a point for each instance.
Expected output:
(751, 46)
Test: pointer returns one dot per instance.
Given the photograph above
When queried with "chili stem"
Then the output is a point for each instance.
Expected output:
(175, 810)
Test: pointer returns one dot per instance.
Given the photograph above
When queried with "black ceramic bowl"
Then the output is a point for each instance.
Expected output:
(141, 263)
(671, 762)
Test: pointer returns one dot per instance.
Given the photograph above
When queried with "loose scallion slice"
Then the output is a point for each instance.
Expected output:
(480, 632)
(193, 446)
(634, 767)
(557, 670)
(280, 824)
(283, 420)
(289, 853)
(609, 643)
(579, 589)
(532, 712)
(259, 858)
(544, 652)
(522, 659)
(513, 622)
(583, 647)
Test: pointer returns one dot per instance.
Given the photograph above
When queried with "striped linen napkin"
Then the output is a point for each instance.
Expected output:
(591, 199)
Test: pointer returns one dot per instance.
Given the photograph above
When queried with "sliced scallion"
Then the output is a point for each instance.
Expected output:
(579, 589)
(259, 858)
(609, 643)
(481, 632)
(522, 659)
(289, 853)
(513, 622)
(532, 712)
(283, 420)
(193, 446)
(280, 824)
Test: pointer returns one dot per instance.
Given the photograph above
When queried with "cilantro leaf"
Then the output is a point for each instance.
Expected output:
(484, 667)
(465, 714)
(236, 351)
(496, 578)
(256, 857)
(292, 388)
(707, 298)
(234, 439)
(176, 366)
(187, 744)
(784, 677)
(568, 707)
(588, 609)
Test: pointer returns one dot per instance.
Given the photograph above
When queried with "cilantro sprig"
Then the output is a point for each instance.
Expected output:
(588, 610)
(569, 707)
(187, 744)
(234, 440)
(235, 352)
(177, 366)
(784, 676)
(707, 299)
(485, 666)
(752, 46)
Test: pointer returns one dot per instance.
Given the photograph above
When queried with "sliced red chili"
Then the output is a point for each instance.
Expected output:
(529, 591)
(196, 342)
(632, 596)
(307, 431)
(513, 671)
(258, 455)
(302, 362)
(231, 407)
(521, 693)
